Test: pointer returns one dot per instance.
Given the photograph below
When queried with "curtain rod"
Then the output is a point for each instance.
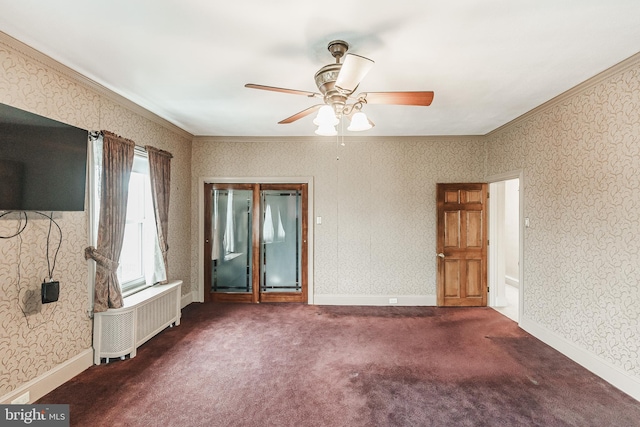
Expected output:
(141, 149)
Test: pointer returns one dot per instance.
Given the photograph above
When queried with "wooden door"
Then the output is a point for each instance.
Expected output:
(462, 245)
(255, 242)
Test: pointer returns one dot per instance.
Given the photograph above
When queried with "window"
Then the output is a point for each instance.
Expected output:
(140, 263)
(137, 257)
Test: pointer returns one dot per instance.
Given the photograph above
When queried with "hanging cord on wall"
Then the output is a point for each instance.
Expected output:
(27, 312)
(22, 225)
(52, 266)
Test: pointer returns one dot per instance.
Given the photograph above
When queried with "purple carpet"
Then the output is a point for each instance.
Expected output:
(300, 365)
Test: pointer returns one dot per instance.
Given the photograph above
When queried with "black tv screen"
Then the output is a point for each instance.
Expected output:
(43, 163)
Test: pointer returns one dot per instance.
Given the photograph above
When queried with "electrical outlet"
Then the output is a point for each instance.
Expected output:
(21, 400)
(393, 300)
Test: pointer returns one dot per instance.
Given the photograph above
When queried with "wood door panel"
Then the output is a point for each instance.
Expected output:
(451, 278)
(473, 196)
(473, 285)
(462, 244)
(452, 229)
(452, 196)
(474, 229)
(281, 297)
(230, 297)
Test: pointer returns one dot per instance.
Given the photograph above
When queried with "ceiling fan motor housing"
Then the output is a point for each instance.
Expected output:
(326, 77)
(325, 81)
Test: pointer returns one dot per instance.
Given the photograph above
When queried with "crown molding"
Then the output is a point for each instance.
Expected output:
(353, 139)
(48, 62)
(618, 68)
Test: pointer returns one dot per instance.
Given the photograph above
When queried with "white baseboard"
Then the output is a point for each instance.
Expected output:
(402, 300)
(186, 300)
(602, 368)
(195, 296)
(513, 281)
(52, 379)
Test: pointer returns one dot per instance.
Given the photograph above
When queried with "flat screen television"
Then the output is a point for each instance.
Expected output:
(43, 163)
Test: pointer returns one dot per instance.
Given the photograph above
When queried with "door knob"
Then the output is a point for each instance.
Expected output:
(441, 255)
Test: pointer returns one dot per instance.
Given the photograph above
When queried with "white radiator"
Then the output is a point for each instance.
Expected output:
(120, 331)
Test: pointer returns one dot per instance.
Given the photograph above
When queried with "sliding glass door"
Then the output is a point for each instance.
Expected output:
(255, 241)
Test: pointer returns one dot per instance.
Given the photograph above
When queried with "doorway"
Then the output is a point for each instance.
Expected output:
(255, 242)
(505, 249)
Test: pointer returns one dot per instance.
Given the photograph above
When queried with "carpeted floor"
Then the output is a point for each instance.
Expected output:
(300, 365)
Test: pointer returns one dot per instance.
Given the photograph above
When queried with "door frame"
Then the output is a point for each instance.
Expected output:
(493, 229)
(198, 294)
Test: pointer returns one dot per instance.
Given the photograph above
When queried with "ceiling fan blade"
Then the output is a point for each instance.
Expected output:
(353, 70)
(398, 98)
(284, 90)
(301, 114)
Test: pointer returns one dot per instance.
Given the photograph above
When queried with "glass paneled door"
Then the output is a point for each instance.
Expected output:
(256, 242)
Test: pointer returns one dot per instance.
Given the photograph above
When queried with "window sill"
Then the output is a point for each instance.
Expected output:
(134, 287)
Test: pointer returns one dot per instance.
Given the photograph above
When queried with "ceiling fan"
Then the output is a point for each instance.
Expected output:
(337, 83)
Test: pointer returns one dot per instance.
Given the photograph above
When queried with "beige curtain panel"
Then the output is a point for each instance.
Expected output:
(160, 176)
(117, 155)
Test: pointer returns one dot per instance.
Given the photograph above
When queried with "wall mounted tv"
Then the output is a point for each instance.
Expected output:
(43, 163)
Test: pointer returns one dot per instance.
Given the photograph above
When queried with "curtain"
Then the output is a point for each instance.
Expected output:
(117, 161)
(160, 176)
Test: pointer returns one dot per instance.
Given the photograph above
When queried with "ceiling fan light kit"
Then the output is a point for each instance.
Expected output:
(326, 116)
(326, 130)
(359, 122)
(337, 83)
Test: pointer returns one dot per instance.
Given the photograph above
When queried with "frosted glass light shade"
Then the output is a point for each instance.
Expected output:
(359, 122)
(326, 117)
(326, 130)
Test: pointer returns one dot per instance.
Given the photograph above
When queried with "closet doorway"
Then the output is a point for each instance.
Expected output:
(255, 242)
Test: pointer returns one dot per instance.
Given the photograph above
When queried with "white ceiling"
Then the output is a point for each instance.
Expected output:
(487, 61)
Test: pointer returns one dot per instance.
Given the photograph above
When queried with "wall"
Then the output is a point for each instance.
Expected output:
(511, 231)
(580, 155)
(377, 202)
(35, 339)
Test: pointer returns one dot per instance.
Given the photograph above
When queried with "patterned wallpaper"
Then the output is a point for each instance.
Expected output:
(377, 202)
(34, 338)
(581, 157)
